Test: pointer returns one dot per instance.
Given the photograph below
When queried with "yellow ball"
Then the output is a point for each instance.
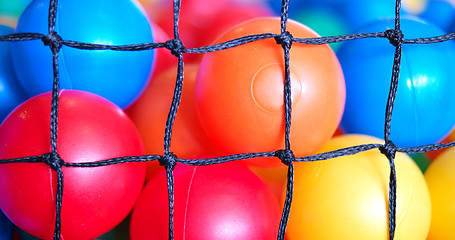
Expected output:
(440, 177)
(414, 6)
(347, 197)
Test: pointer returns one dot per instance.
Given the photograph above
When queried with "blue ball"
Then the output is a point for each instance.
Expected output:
(360, 13)
(440, 13)
(297, 6)
(11, 92)
(424, 110)
(118, 76)
(6, 227)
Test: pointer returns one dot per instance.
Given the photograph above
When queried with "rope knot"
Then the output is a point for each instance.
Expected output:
(286, 156)
(176, 46)
(395, 36)
(389, 149)
(169, 160)
(53, 40)
(53, 160)
(285, 39)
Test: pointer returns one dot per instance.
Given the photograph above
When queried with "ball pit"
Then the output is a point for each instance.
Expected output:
(276, 178)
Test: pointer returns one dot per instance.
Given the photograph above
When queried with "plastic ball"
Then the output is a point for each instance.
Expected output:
(421, 160)
(360, 13)
(275, 178)
(164, 57)
(11, 92)
(414, 7)
(325, 21)
(432, 155)
(119, 76)
(150, 112)
(441, 184)
(6, 227)
(299, 5)
(10, 10)
(95, 200)
(347, 197)
(239, 92)
(439, 12)
(201, 22)
(217, 202)
(424, 88)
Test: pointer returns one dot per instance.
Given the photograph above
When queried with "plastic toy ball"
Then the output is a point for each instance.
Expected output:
(201, 22)
(414, 7)
(441, 13)
(424, 88)
(325, 21)
(275, 178)
(432, 155)
(150, 112)
(297, 6)
(6, 227)
(11, 92)
(421, 160)
(164, 58)
(232, 16)
(239, 91)
(221, 201)
(360, 13)
(441, 184)
(347, 197)
(10, 10)
(119, 76)
(95, 200)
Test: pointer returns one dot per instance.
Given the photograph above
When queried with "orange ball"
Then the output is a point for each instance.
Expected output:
(239, 91)
(440, 177)
(149, 114)
(347, 197)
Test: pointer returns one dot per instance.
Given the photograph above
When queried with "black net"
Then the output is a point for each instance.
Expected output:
(168, 160)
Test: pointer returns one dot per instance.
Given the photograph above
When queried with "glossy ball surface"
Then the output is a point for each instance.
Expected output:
(150, 112)
(11, 92)
(441, 184)
(420, 114)
(239, 92)
(119, 76)
(217, 202)
(347, 197)
(95, 200)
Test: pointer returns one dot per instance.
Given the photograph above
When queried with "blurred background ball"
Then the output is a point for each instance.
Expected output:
(6, 227)
(10, 10)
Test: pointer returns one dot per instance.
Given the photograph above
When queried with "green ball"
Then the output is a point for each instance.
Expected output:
(421, 160)
(324, 21)
(13, 8)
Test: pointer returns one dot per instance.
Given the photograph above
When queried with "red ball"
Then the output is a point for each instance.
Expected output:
(164, 58)
(95, 200)
(216, 202)
(202, 21)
